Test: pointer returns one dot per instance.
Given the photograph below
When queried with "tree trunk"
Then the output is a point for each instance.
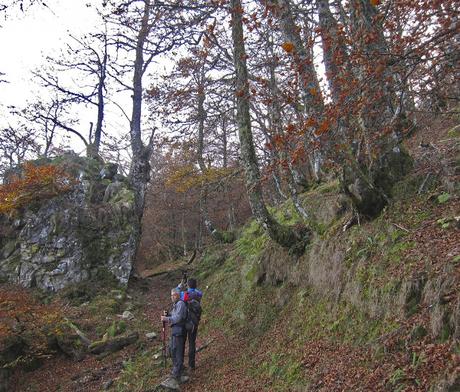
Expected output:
(303, 59)
(140, 166)
(100, 98)
(334, 51)
(215, 233)
(290, 172)
(282, 235)
(368, 179)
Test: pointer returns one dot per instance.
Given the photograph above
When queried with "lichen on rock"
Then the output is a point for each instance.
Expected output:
(80, 235)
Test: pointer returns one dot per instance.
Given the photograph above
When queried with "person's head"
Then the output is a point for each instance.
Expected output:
(175, 295)
(191, 283)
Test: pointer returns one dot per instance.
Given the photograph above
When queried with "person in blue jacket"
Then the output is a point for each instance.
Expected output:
(191, 293)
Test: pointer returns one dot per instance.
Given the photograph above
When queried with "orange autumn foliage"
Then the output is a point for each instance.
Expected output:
(288, 47)
(37, 183)
(23, 318)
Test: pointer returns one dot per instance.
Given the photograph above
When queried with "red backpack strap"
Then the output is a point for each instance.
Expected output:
(186, 296)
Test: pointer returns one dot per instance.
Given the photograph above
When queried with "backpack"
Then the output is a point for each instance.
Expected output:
(193, 314)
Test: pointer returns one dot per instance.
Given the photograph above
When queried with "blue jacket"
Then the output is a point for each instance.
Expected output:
(191, 293)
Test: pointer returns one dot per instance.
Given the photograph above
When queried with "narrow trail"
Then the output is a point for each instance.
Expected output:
(215, 370)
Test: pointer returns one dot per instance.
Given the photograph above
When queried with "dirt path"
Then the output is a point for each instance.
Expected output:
(215, 365)
(215, 370)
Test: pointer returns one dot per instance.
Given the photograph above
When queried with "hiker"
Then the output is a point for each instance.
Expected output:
(188, 289)
(193, 298)
(176, 320)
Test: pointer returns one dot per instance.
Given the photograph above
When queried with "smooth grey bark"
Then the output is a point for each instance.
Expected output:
(231, 207)
(379, 109)
(290, 172)
(284, 236)
(140, 166)
(102, 75)
(368, 178)
(303, 58)
(201, 112)
(334, 51)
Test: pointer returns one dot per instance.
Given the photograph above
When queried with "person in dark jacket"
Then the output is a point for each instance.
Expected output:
(191, 293)
(176, 320)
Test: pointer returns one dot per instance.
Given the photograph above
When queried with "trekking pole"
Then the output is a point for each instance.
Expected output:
(165, 312)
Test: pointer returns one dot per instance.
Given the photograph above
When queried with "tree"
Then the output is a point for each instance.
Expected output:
(16, 145)
(88, 57)
(282, 235)
(146, 29)
(302, 56)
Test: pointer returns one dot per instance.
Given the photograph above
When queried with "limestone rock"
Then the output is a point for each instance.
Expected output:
(73, 237)
(151, 335)
(127, 315)
(112, 345)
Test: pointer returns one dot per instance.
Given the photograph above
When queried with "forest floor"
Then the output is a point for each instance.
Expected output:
(215, 363)
(228, 362)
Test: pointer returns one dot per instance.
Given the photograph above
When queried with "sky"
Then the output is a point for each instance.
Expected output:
(25, 41)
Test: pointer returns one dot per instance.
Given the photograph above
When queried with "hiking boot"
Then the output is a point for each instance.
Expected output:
(171, 383)
(184, 378)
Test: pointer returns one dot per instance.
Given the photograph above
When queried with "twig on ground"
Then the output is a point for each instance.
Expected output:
(204, 346)
(423, 184)
(402, 228)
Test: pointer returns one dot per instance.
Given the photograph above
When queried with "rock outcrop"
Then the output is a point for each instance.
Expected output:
(83, 234)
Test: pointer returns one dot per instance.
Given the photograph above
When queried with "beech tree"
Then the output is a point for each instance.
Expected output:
(16, 145)
(284, 236)
(88, 57)
(145, 30)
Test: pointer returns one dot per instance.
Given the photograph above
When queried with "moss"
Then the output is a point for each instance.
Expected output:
(34, 248)
(212, 259)
(252, 242)
(454, 133)
(396, 252)
(286, 214)
(123, 196)
(228, 236)
(328, 187)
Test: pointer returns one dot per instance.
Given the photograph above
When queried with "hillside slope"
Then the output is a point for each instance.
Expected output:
(374, 307)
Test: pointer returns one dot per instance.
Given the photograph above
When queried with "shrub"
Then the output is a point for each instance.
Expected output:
(37, 183)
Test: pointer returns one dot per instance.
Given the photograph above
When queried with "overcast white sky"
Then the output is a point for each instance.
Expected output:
(27, 38)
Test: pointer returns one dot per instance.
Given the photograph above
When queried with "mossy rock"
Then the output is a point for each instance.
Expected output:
(8, 249)
(12, 348)
(113, 344)
(123, 196)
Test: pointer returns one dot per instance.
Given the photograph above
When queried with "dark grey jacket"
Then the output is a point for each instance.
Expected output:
(177, 318)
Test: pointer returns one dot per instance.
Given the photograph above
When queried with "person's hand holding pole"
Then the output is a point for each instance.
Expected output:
(164, 318)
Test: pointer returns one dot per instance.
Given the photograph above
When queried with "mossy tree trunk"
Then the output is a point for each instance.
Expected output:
(284, 236)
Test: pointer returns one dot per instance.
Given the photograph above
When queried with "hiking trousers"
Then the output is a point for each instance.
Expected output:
(177, 355)
(191, 336)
